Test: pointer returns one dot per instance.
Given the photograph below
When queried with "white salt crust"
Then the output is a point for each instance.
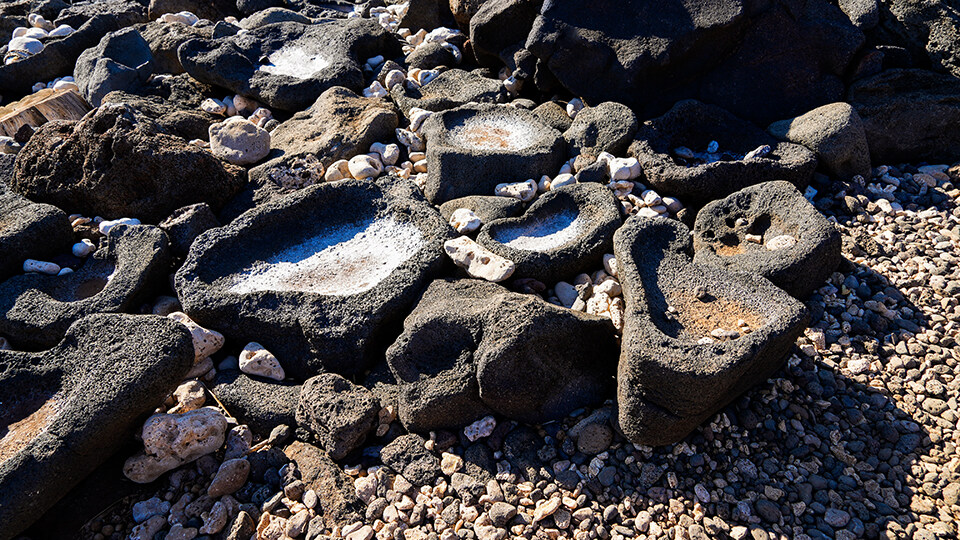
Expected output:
(493, 132)
(294, 62)
(340, 261)
(543, 234)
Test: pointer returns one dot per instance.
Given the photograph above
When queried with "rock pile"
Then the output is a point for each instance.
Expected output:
(479, 269)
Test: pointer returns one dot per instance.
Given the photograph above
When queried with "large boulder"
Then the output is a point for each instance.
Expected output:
(165, 38)
(835, 132)
(452, 88)
(262, 404)
(499, 30)
(37, 309)
(30, 230)
(769, 229)
(764, 60)
(66, 410)
(471, 347)
(695, 336)
(608, 127)
(705, 176)
(319, 276)
(473, 148)
(564, 233)
(929, 31)
(117, 163)
(909, 115)
(121, 61)
(173, 116)
(339, 125)
(288, 64)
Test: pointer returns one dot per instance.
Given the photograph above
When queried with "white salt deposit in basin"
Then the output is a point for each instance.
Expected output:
(294, 62)
(542, 234)
(340, 261)
(489, 132)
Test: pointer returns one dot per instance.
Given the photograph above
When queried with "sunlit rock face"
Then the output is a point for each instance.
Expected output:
(316, 276)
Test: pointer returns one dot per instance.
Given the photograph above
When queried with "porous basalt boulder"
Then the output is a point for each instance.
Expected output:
(258, 403)
(288, 64)
(116, 163)
(835, 132)
(339, 125)
(317, 288)
(121, 61)
(608, 127)
(564, 233)
(30, 230)
(333, 487)
(486, 207)
(37, 309)
(67, 409)
(339, 413)
(471, 347)
(695, 336)
(772, 230)
(763, 60)
(452, 88)
(176, 118)
(693, 125)
(473, 148)
(165, 38)
(909, 115)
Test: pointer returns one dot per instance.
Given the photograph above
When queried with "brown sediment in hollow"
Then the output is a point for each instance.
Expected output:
(90, 287)
(22, 419)
(698, 317)
(486, 136)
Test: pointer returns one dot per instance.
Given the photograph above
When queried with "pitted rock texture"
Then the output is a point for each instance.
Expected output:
(78, 402)
(316, 288)
(29, 231)
(798, 248)
(117, 163)
(672, 373)
(693, 125)
(473, 148)
(564, 233)
(288, 64)
(37, 309)
(471, 347)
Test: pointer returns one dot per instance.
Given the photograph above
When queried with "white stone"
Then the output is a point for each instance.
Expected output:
(205, 342)
(393, 78)
(563, 179)
(213, 106)
(244, 105)
(170, 440)
(650, 197)
(610, 264)
(417, 116)
(36, 33)
(41, 267)
(784, 241)
(66, 85)
(464, 220)
(512, 84)
(574, 106)
(648, 213)
(375, 90)
(338, 170)
(389, 153)
(364, 166)
(190, 396)
(106, 225)
(256, 360)
(544, 184)
(65, 271)
(83, 248)
(610, 287)
(672, 204)
(184, 17)
(19, 31)
(411, 140)
(623, 168)
(62, 30)
(478, 261)
(25, 44)
(426, 75)
(231, 108)
(480, 429)
(525, 191)
(238, 141)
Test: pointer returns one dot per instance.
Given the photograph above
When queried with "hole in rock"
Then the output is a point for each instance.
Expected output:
(23, 417)
(340, 260)
(493, 133)
(294, 62)
(729, 245)
(695, 317)
(542, 234)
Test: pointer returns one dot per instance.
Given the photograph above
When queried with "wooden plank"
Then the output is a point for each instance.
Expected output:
(41, 107)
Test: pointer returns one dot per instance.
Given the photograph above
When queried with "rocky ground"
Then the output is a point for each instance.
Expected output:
(283, 269)
(855, 438)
